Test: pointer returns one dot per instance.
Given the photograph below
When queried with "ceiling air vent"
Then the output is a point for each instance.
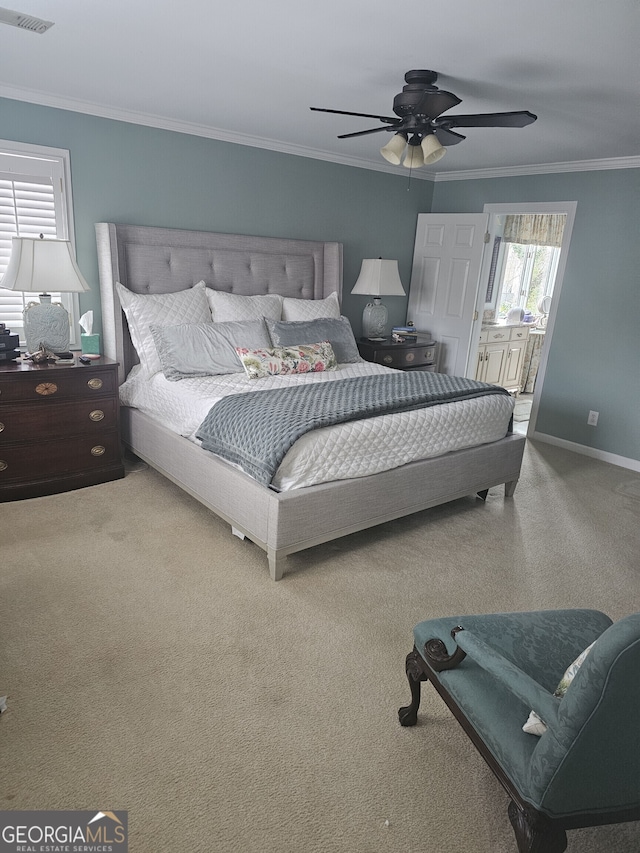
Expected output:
(24, 22)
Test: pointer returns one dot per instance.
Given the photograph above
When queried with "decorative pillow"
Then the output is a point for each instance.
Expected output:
(280, 361)
(229, 307)
(536, 726)
(336, 330)
(160, 309)
(310, 309)
(206, 349)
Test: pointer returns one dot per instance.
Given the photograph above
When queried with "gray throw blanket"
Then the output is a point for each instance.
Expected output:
(255, 430)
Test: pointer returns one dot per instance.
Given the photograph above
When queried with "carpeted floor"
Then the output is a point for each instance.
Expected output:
(152, 665)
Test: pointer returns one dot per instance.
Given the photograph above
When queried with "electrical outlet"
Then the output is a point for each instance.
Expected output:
(592, 420)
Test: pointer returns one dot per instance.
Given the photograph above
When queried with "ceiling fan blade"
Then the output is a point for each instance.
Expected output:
(360, 115)
(431, 104)
(364, 132)
(514, 119)
(448, 137)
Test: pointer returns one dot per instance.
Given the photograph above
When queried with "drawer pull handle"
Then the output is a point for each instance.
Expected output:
(98, 450)
(95, 384)
(1, 427)
(46, 388)
(388, 359)
(96, 415)
(3, 465)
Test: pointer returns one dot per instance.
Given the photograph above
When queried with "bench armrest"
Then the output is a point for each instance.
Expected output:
(532, 694)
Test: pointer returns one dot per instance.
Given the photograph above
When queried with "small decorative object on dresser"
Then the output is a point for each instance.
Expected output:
(59, 427)
(9, 344)
(415, 354)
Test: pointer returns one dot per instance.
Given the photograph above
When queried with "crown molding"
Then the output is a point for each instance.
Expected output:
(192, 129)
(542, 169)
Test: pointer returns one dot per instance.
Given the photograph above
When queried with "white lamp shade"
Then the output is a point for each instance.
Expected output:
(38, 266)
(414, 158)
(379, 277)
(432, 151)
(392, 151)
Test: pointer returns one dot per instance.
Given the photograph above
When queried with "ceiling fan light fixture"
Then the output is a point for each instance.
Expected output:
(432, 151)
(414, 157)
(392, 151)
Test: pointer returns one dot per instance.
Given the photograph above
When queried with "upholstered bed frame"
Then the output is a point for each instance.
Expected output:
(160, 260)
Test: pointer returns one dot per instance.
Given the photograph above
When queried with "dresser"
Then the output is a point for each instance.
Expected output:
(405, 355)
(59, 427)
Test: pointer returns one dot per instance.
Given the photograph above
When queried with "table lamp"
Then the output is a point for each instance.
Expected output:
(378, 277)
(43, 266)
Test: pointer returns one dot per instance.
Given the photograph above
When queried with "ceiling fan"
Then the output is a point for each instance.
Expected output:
(419, 125)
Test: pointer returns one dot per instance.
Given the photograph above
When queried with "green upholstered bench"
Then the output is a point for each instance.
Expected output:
(492, 670)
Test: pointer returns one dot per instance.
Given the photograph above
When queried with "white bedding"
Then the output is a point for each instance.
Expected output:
(340, 452)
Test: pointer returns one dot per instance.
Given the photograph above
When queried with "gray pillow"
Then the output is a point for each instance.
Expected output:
(336, 330)
(206, 349)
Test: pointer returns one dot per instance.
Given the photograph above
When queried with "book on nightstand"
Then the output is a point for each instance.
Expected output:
(407, 333)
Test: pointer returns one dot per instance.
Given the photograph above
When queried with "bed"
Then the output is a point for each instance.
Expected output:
(150, 260)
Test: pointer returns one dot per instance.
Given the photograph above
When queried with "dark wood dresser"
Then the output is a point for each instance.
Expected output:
(404, 355)
(59, 427)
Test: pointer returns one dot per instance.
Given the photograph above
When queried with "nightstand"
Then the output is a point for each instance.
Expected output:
(59, 427)
(409, 355)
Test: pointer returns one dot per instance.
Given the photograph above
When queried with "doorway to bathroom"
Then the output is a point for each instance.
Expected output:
(523, 275)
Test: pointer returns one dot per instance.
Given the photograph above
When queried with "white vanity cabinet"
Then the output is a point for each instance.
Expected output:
(501, 356)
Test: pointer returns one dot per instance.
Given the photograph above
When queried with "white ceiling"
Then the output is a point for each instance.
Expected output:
(249, 71)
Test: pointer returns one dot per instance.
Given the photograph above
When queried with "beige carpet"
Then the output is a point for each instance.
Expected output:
(152, 665)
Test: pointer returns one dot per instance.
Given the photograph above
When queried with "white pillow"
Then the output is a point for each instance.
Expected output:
(230, 308)
(160, 309)
(536, 726)
(310, 309)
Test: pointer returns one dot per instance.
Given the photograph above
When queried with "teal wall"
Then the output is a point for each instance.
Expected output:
(594, 357)
(124, 172)
(139, 175)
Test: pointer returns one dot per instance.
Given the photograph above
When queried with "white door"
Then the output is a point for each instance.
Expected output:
(445, 280)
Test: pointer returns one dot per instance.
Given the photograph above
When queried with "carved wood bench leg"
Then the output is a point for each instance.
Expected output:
(535, 833)
(408, 715)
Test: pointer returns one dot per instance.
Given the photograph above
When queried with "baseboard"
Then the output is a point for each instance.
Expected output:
(602, 455)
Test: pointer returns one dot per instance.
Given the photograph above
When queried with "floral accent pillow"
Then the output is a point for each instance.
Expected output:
(536, 726)
(282, 361)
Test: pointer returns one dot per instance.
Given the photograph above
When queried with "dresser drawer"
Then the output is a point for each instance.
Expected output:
(39, 460)
(403, 357)
(494, 335)
(56, 384)
(519, 333)
(47, 420)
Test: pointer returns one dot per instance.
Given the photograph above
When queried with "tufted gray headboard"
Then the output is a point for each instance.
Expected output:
(164, 260)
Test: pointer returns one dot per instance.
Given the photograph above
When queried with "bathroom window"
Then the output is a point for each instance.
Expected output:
(529, 273)
(527, 261)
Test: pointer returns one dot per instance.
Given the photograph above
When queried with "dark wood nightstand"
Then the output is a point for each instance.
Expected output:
(59, 427)
(408, 355)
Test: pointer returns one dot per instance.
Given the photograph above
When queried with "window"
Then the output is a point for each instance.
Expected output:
(34, 199)
(529, 274)
(526, 259)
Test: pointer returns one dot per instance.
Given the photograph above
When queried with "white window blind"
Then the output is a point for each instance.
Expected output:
(32, 202)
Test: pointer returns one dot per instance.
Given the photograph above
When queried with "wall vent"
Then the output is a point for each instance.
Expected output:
(24, 22)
